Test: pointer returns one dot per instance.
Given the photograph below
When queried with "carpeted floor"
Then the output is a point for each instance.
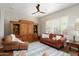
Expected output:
(38, 49)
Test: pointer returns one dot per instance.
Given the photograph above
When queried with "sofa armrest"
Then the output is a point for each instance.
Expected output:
(62, 39)
(12, 43)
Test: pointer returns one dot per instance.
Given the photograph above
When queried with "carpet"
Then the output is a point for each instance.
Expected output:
(38, 49)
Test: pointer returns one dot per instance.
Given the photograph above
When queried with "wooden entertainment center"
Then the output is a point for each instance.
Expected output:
(27, 30)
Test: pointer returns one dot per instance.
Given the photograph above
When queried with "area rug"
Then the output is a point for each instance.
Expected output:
(38, 49)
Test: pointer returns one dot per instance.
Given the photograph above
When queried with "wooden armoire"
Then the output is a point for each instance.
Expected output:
(27, 30)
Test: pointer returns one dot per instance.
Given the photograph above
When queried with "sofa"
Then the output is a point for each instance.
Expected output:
(54, 40)
(10, 44)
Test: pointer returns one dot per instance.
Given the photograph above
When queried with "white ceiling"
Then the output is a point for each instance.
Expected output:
(29, 8)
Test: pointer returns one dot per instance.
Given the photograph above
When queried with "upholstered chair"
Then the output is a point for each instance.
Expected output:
(10, 42)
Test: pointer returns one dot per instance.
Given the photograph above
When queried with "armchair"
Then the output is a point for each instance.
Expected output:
(10, 42)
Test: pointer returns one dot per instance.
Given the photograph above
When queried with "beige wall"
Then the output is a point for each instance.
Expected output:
(1, 25)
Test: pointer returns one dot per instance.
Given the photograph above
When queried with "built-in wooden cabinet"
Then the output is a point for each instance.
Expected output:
(27, 30)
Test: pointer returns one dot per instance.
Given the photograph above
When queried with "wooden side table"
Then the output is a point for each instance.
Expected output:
(74, 44)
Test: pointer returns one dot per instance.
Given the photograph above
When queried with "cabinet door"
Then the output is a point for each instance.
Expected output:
(11, 28)
(23, 29)
(30, 29)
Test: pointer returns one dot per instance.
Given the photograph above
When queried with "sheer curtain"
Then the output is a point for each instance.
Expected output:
(56, 25)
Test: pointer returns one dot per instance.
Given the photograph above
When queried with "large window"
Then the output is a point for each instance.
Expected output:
(56, 25)
(76, 33)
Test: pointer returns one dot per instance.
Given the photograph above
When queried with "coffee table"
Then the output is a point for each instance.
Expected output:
(74, 44)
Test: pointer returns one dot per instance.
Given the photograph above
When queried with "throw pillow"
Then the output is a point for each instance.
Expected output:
(54, 38)
(45, 35)
(58, 37)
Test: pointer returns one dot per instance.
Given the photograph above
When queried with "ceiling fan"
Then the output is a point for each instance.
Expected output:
(38, 9)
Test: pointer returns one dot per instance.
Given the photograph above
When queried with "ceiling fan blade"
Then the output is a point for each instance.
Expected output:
(34, 13)
(42, 12)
